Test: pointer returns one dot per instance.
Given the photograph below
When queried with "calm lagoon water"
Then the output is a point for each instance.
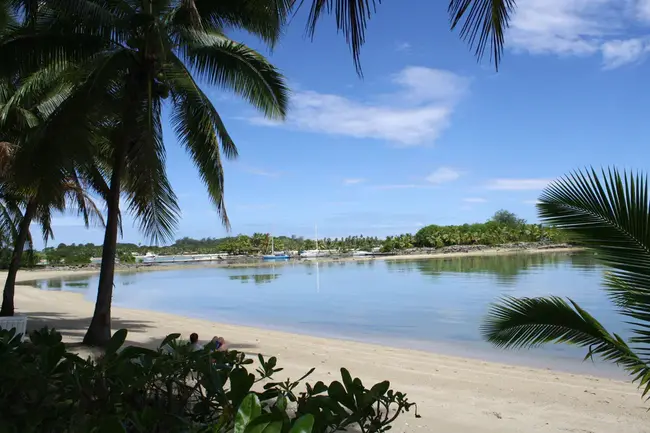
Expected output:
(434, 305)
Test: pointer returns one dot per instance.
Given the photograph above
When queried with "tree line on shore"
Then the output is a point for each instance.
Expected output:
(503, 228)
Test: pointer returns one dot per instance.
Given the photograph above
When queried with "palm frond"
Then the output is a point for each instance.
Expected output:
(262, 18)
(484, 23)
(23, 52)
(200, 129)
(231, 65)
(83, 203)
(351, 17)
(610, 215)
(151, 197)
(531, 322)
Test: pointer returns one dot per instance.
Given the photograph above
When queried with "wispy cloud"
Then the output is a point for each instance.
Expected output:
(353, 181)
(261, 172)
(417, 111)
(474, 200)
(253, 206)
(443, 175)
(581, 27)
(621, 52)
(402, 46)
(438, 177)
(518, 184)
(530, 201)
(403, 186)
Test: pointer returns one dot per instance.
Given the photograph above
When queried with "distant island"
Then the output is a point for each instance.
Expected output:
(502, 229)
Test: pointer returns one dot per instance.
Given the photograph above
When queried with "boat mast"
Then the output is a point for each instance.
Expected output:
(316, 234)
(272, 248)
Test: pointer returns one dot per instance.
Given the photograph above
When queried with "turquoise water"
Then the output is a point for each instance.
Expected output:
(434, 305)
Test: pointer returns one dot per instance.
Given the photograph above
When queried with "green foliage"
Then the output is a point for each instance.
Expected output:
(610, 214)
(507, 218)
(489, 233)
(125, 257)
(401, 242)
(69, 255)
(174, 389)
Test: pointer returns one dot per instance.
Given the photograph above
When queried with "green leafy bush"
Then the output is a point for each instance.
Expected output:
(47, 389)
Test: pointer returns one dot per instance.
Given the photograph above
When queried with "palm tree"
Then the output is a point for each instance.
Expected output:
(37, 173)
(130, 58)
(609, 214)
(482, 23)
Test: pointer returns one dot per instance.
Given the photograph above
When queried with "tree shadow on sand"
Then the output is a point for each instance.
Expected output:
(74, 328)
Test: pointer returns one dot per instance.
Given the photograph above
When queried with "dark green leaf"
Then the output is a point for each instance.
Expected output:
(249, 410)
(304, 424)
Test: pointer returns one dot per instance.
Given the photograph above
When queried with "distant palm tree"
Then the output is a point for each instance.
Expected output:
(609, 214)
(482, 22)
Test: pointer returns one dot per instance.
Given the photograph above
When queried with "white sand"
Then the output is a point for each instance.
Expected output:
(454, 394)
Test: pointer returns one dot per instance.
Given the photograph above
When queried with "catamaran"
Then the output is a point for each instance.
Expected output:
(274, 256)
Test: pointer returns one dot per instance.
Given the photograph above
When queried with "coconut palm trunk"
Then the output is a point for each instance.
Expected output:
(99, 331)
(19, 245)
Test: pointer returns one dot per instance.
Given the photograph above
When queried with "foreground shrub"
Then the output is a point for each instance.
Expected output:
(46, 389)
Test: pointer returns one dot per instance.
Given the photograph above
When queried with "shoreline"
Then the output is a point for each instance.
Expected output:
(487, 252)
(454, 394)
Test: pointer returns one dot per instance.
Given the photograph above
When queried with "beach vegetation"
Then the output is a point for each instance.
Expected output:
(48, 389)
(609, 213)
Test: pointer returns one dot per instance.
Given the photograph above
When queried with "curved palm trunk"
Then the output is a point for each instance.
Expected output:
(99, 331)
(19, 246)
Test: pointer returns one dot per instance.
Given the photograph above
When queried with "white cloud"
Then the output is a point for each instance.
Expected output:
(474, 200)
(621, 52)
(443, 175)
(353, 181)
(643, 10)
(581, 27)
(416, 113)
(530, 201)
(518, 184)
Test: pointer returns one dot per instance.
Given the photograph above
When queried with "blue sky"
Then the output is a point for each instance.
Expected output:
(428, 135)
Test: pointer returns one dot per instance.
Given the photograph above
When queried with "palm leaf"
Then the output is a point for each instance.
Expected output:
(530, 322)
(200, 129)
(351, 17)
(231, 65)
(484, 23)
(611, 216)
(262, 18)
(151, 197)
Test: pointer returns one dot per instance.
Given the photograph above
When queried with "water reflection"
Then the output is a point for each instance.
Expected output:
(256, 278)
(505, 268)
(435, 303)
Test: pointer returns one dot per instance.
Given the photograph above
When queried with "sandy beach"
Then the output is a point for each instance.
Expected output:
(453, 394)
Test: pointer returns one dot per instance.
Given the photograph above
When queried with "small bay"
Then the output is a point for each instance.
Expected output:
(433, 304)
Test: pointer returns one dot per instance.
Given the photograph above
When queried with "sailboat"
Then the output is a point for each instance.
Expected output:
(274, 256)
(313, 253)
